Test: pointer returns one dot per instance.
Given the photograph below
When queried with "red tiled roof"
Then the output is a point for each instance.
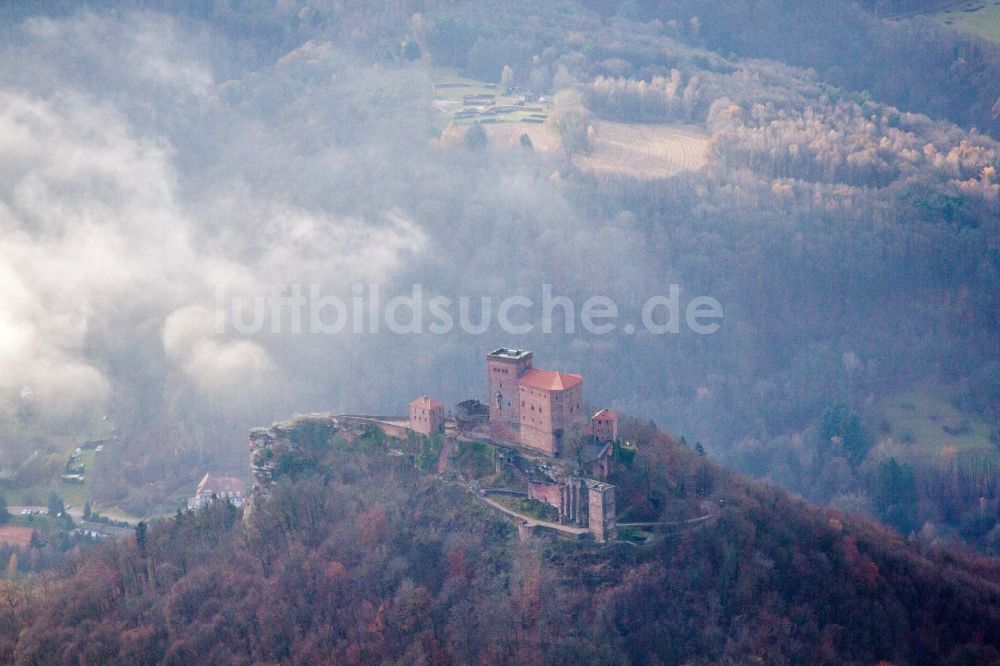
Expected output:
(549, 380)
(606, 414)
(426, 403)
(220, 485)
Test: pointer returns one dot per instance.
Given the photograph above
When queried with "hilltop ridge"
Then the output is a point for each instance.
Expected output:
(361, 552)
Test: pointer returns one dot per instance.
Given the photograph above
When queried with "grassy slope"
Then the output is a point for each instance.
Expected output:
(639, 150)
(983, 21)
(646, 150)
(924, 415)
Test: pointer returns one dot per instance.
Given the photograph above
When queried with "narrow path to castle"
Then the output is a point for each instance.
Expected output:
(446, 450)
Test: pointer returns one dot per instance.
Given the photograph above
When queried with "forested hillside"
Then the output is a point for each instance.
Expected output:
(914, 63)
(356, 557)
(854, 243)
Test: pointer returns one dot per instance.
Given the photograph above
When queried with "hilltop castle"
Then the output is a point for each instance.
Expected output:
(529, 407)
(531, 414)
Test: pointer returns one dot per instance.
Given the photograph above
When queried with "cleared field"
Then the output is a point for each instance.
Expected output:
(449, 85)
(543, 137)
(15, 535)
(114, 513)
(645, 151)
(980, 17)
(635, 150)
(927, 420)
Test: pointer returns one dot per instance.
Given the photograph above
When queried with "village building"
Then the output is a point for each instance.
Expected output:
(101, 531)
(217, 487)
(426, 416)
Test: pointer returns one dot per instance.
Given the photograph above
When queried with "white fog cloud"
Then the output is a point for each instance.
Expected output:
(96, 233)
(216, 365)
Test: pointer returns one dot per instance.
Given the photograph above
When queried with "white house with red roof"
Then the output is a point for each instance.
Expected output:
(227, 488)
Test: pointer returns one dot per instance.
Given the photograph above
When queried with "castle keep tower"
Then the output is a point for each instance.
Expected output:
(504, 368)
(550, 406)
(529, 406)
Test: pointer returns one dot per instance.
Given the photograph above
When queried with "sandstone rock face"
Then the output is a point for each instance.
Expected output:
(284, 447)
